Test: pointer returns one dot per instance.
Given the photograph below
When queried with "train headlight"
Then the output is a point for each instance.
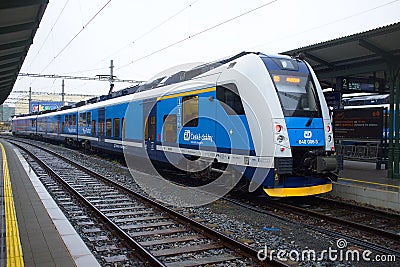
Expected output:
(280, 138)
(329, 138)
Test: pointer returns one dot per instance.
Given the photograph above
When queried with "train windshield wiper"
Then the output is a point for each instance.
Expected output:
(309, 121)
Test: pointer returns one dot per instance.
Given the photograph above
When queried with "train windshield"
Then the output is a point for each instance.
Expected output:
(297, 93)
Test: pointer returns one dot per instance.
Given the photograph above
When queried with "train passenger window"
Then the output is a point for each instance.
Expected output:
(80, 121)
(74, 119)
(108, 128)
(84, 119)
(93, 128)
(123, 127)
(116, 128)
(101, 127)
(66, 120)
(152, 128)
(169, 128)
(190, 111)
(145, 128)
(229, 95)
(88, 118)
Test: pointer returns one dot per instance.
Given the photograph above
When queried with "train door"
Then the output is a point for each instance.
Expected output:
(100, 121)
(63, 125)
(150, 129)
(58, 124)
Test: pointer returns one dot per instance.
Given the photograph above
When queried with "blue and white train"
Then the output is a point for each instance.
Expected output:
(252, 111)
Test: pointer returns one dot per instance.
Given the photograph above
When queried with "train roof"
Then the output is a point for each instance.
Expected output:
(167, 78)
(367, 100)
(26, 116)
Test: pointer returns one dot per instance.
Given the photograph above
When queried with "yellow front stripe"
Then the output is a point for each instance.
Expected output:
(298, 191)
(13, 242)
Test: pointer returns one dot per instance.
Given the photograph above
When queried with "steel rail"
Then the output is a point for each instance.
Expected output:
(356, 225)
(229, 242)
(375, 212)
(142, 252)
(354, 240)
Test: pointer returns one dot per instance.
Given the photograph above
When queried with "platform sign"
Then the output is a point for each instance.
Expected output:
(354, 85)
(359, 124)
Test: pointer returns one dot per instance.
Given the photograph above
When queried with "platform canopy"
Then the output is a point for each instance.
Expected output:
(364, 55)
(19, 20)
(372, 54)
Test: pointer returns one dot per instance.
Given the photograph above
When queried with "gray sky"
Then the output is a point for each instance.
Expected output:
(131, 32)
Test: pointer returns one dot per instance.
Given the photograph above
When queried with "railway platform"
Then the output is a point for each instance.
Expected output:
(361, 182)
(34, 231)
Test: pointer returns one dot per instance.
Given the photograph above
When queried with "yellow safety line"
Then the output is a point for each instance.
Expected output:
(13, 242)
(366, 182)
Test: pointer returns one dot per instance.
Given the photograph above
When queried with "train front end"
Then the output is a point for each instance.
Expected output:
(306, 131)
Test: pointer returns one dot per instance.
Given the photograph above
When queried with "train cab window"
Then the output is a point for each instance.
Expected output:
(169, 128)
(297, 94)
(116, 127)
(108, 128)
(229, 95)
(190, 111)
(93, 128)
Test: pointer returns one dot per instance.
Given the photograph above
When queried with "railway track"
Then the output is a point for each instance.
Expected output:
(375, 221)
(283, 211)
(158, 235)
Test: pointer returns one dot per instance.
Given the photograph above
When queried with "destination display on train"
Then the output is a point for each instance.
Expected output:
(359, 124)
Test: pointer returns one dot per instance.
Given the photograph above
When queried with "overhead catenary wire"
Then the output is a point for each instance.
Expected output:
(76, 35)
(56, 76)
(324, 23)
(51, 30)
(198, 33)
(163, 22)
(329, 23)
(158, 25)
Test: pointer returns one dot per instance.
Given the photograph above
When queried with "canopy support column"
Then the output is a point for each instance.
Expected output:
(396, 174)
(391, 124)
